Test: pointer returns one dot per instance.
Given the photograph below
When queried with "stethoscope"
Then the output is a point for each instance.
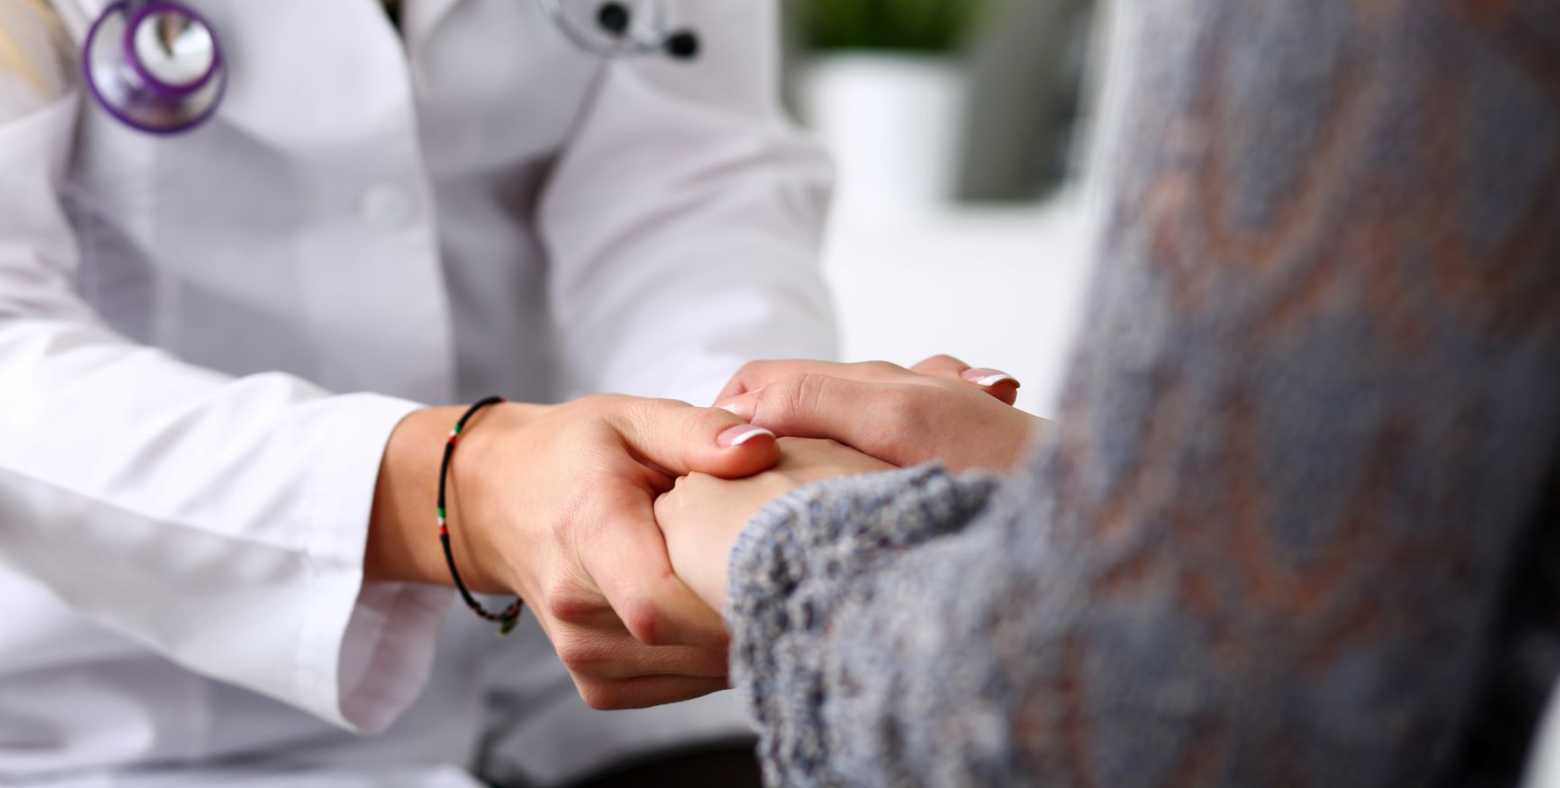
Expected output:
(156, 65)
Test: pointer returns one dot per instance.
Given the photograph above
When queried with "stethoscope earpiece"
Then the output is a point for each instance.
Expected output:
(683, 45)
(615, 20)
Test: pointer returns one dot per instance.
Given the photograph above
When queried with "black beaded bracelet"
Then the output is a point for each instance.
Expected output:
(510, 615)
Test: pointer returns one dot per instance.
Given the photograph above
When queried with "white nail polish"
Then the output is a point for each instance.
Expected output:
(729, 408)
(750, 435)
(992, 380)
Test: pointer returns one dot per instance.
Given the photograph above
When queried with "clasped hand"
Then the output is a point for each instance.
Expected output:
(839, 420)
(613, 517)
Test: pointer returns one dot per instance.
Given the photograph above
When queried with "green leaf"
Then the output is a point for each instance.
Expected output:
(906, 25)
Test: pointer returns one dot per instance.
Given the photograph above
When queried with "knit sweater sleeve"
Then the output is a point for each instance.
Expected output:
(1302, 454)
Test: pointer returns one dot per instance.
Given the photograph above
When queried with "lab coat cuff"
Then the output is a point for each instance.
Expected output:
(387, 651)
(366, 649)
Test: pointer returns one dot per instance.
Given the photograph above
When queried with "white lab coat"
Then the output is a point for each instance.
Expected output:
(205, 341)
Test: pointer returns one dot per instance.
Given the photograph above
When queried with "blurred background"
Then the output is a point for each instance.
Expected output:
(960, 130)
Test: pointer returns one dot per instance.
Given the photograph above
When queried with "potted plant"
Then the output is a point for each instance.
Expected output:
(934, 27)
(882, 83)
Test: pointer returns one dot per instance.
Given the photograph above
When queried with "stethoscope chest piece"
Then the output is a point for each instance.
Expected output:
(156, 66)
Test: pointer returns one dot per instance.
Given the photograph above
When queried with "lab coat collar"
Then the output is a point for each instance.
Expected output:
(422, 18)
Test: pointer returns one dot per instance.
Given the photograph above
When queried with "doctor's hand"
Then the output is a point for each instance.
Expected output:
(555, 504)
(703, 515)
(940, 409)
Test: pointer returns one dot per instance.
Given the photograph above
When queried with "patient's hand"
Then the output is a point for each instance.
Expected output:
(937, 410)
(703, 515)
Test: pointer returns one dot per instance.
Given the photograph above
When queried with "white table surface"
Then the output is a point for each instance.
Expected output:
(997, 287)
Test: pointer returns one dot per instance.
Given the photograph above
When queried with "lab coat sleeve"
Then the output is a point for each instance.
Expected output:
(219, 521)
(684, 218)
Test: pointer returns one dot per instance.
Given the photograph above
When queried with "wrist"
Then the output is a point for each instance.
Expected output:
(481, 476)
(403, 540)
(1034, 429)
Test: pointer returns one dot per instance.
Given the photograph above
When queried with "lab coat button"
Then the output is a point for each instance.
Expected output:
(386, 206)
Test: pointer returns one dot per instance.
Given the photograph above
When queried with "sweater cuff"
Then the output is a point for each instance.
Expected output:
(799, 560)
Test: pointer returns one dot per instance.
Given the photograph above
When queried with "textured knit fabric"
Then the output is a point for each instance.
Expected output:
(1296, 523)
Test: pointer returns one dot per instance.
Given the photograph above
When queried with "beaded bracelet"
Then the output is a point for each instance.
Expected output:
(510, 615)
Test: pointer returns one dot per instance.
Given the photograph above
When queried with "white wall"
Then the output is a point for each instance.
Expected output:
(915, 273)
(996, 287)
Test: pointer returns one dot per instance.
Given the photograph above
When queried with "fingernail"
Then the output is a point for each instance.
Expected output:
(986, 378)
(740, 434)
(737, 407)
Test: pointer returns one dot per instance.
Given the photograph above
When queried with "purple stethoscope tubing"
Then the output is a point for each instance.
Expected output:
(138, 84)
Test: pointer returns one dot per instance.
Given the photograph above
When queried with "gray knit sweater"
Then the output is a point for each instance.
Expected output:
(1297, 524)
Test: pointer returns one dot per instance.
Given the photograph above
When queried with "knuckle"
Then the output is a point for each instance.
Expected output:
(666, 502)
(600, 695)
(693, 484)
(644, 621)
(666, 403)
(578, 658)
(644, 412)
(589, 402)
(669, 504)
(796, 396)
(769, 404)
(949, 385)
(751, 369)
(651, 419)
(563, 602)
(878, 367)
(666, 510)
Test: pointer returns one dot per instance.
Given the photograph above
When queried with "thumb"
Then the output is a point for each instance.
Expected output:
(680, 439)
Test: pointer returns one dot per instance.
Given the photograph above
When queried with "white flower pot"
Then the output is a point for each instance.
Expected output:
(892, 122)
